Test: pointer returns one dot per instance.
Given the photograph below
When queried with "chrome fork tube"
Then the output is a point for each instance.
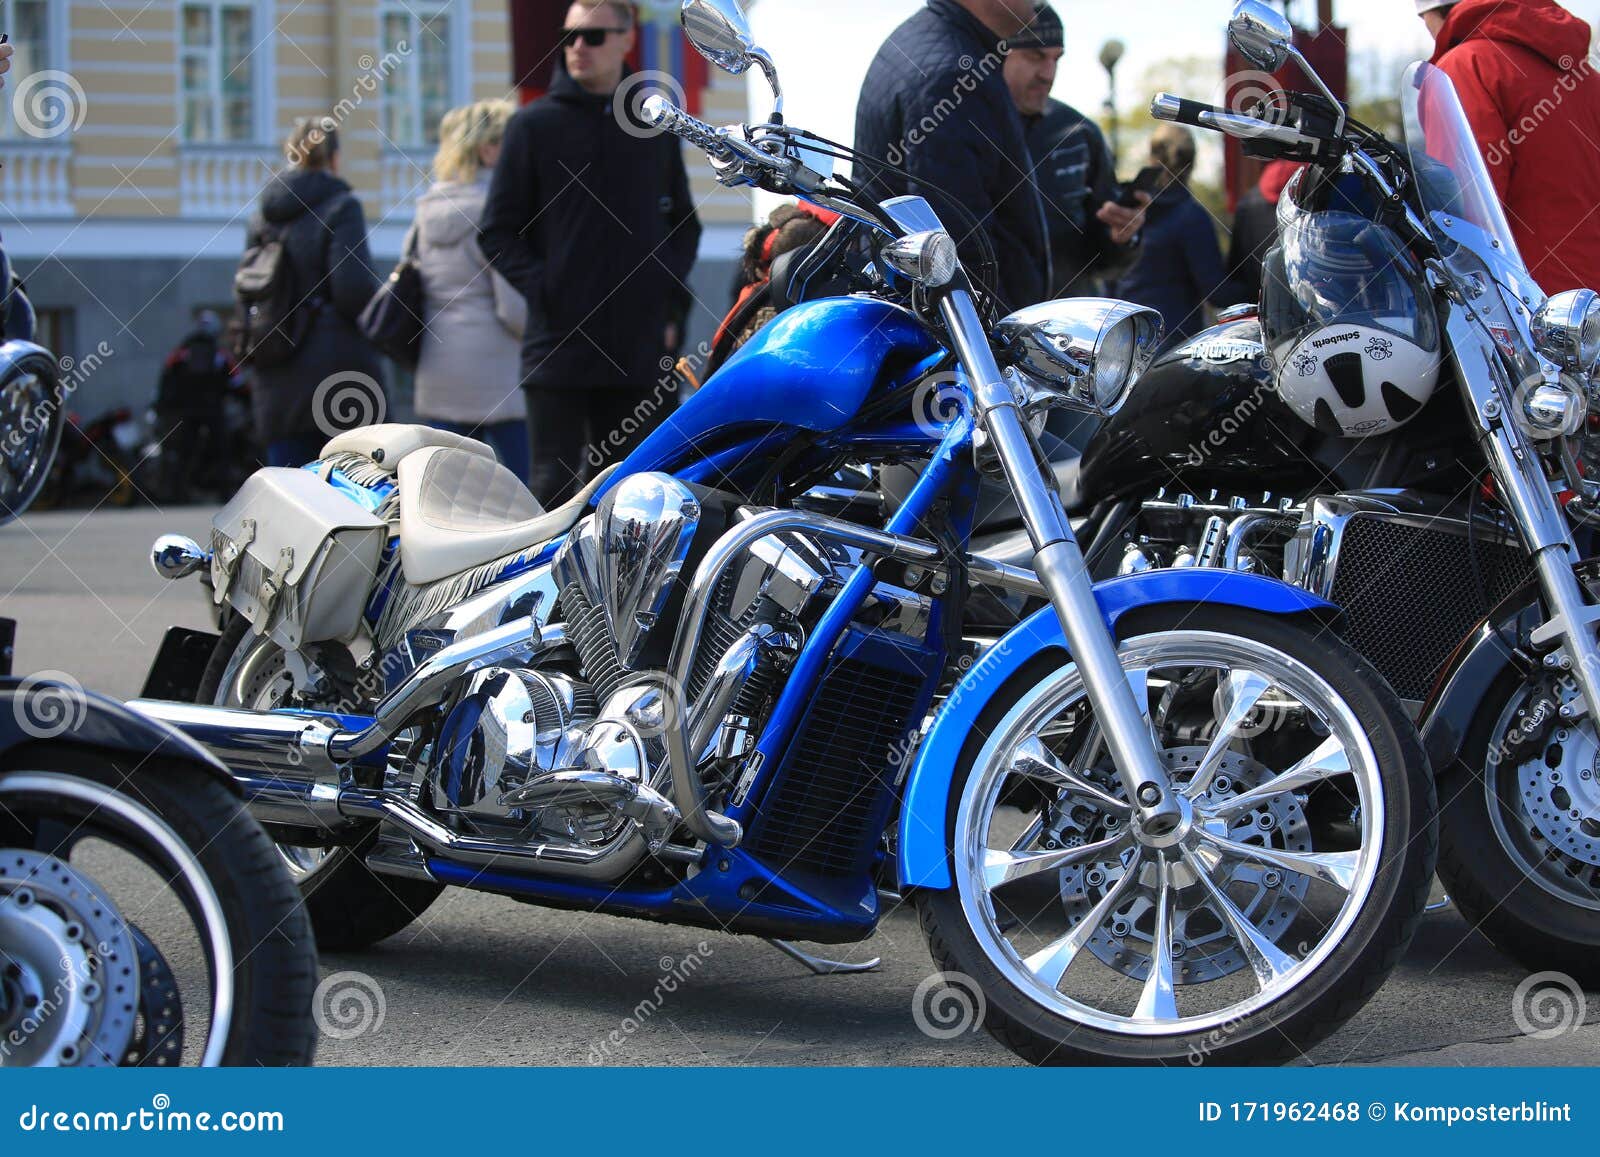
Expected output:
(1525, 490)
(1064, 573)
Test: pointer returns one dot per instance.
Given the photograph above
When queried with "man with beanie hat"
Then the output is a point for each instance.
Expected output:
(1072, 166)
(1523, 72)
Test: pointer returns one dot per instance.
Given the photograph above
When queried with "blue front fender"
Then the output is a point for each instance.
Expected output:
(924, 823)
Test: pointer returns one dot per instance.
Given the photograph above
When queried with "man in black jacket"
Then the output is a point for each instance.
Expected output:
(935, 103)
(589, 216)
(1073, 167)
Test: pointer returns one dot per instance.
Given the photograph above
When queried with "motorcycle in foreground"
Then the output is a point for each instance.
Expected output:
(145, 919)
(1446, 523)
(1168, 815)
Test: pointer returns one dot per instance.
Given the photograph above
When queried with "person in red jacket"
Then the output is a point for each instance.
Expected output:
(1523, 72)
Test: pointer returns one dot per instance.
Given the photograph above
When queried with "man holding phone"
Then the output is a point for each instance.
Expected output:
(1072, 166)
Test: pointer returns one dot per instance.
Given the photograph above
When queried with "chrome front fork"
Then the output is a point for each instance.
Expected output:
(1526, 492)
(1064, 573)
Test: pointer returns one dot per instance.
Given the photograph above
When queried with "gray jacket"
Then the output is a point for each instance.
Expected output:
(470, 370)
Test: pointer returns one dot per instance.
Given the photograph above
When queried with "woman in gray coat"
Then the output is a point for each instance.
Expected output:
(469, 375)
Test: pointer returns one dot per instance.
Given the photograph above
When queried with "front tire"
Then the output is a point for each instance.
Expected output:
(1523, 872)
(351, 906)
(1277, 916)
(274, 957)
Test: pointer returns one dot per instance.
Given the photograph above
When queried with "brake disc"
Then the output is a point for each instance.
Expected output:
(159, 1040)
(1203, 948)
(1561, 792)
(71, 973)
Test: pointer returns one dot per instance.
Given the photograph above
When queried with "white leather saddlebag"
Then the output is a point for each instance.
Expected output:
(296, 558)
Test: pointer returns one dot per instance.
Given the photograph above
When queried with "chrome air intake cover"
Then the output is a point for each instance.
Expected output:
(626, 557)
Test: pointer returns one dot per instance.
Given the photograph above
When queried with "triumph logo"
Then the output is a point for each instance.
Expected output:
(1353, 335)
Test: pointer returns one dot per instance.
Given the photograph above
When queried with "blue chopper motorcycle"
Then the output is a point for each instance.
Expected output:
(1168, 816)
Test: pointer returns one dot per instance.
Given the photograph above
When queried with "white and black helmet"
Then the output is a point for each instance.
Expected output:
(1352, 331)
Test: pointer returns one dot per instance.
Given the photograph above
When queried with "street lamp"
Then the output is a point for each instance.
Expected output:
(1110, 53)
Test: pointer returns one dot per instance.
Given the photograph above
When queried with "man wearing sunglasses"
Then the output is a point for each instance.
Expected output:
(589, 216)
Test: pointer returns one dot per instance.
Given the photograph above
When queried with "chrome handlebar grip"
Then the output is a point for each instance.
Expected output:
(661, 113)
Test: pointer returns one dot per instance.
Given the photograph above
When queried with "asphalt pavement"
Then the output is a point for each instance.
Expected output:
(485, 980)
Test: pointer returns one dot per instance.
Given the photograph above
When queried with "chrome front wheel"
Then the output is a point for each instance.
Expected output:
(1303, 791)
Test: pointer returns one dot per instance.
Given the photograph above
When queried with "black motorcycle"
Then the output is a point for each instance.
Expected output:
(1450, 532)
(145, 919)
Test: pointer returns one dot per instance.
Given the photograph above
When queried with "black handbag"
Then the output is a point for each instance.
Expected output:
(393, 320)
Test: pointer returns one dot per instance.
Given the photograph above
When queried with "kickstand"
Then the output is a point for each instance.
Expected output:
(820, 966)
(1438, 905)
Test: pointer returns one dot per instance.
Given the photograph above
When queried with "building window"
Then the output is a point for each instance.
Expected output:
(426, 83)
(219, 72)
(39, 36)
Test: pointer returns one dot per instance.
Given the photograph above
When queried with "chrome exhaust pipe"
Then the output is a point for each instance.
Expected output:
(264, 742)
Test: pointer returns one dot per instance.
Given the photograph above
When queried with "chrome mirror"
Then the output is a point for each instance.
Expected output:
(1262, 34)
(721, 34)
(719, 31)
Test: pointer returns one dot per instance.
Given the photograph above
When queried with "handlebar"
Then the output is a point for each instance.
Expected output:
(659, 112)
(1166, 107)
(721, 144)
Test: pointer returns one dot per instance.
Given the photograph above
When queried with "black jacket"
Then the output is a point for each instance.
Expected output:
(935, 103)
(1076, 175)
(325, 233)
(594, 224)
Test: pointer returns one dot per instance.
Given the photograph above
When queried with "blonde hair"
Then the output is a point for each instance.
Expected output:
(463, 132)
(312, 143)
(1172, 147)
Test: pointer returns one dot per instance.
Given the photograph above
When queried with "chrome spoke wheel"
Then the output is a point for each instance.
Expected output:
(1149, 934)
(257, 678)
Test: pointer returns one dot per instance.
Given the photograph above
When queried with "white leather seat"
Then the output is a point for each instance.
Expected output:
(390, 443)
(459, 510)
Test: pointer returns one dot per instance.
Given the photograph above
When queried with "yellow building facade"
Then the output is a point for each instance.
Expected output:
(137, 134)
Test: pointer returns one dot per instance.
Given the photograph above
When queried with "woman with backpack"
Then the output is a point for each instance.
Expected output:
(469, 372)
(305, 278)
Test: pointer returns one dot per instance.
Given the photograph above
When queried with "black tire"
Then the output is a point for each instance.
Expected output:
(1324, 1000)
(351, 906)
(275, 957)
(1525, 921)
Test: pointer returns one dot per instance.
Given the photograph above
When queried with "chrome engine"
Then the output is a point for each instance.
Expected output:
(1411, 579)
(574, 752)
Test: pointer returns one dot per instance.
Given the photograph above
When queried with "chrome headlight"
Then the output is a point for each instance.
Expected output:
(1566, 329)
(928, 258)
(1553, 406)
(1090, 349)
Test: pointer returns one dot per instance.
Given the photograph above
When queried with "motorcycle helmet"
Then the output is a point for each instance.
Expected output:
(1351, 327)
